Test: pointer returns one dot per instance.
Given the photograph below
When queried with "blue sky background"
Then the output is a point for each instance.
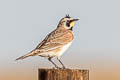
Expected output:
(25, 23)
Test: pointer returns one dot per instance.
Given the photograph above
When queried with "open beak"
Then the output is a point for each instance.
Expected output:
(75, 19)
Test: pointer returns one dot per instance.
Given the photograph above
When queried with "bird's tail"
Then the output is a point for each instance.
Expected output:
(32, 53)
(23, 57)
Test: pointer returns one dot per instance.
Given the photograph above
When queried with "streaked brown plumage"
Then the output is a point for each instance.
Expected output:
(54, 42)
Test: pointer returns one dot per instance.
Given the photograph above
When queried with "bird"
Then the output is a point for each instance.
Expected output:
(56, 42)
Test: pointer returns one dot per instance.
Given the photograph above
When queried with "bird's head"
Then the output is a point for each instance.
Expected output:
(67, 22)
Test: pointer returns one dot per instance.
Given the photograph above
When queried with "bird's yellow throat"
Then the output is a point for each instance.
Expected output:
(72, 23)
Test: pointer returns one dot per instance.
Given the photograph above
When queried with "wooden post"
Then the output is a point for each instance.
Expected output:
(63, 74)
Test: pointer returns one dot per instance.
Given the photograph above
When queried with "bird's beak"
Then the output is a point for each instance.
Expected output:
(72, 22)
(75, 19)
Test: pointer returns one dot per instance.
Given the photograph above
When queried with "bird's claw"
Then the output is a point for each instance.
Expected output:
(58, 67)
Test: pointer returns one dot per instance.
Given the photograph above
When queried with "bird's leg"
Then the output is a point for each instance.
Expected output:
(53, 62)
(61, 63)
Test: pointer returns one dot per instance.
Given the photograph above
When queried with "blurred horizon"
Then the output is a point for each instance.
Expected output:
(96, 46)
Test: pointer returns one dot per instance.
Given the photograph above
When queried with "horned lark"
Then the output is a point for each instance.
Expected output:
(55, 43)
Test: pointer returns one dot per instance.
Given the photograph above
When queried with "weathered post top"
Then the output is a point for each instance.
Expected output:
(63, 74)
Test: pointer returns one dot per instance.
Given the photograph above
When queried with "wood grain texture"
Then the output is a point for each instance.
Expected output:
(63, 74)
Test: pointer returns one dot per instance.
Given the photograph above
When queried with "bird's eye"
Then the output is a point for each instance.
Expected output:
(68, 23)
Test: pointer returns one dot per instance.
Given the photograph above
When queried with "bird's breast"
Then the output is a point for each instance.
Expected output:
(63, 49)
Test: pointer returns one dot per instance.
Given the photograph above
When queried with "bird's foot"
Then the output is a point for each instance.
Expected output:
(63, 67)
(56, 67)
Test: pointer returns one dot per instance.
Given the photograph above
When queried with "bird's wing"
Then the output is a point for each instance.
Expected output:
(55, 39)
